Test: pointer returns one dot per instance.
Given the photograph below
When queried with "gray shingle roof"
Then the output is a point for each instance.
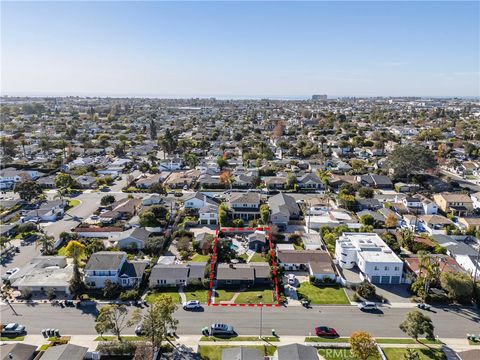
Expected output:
(105, 260)
(297, 352)
(241, 353)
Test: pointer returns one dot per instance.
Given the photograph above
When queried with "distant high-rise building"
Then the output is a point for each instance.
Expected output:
(319, 97)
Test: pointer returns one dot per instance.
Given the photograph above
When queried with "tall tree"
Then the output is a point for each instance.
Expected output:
(159, 320)
(362, 345)
(416, 324)
(115, 318)
(28, 190)
(46, 243)
(409, 159)
(153, 130)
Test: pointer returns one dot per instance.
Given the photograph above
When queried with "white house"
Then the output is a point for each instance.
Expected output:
(113, 266)
(10, 176)
(377, 262)
(476, 200)
(171, 164)
(208, 215)
(198, 200)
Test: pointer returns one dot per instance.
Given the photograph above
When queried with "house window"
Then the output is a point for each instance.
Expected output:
(387, 268)
(375, 268)
(397, 268)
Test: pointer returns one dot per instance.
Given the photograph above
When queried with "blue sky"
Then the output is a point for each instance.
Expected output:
(240, 49)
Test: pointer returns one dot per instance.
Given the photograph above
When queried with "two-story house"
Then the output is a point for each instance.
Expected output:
(113, 266)
(457, 204)
(244, 206)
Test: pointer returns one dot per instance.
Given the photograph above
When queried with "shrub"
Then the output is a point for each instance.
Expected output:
(366, 290)
(128, 295)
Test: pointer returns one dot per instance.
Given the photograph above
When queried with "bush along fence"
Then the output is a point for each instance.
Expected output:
(275, 272)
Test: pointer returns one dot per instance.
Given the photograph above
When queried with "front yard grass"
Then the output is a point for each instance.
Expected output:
(196, 293)
(213, 352)
(71, 204)
(406, 341)
(425, 354)
(326, 339)
(240, 338)
(223, 295)
(253, 296)
(61, 251)
(341, 354)
(473, 342)
(170, 291)
(12, 338)
(322, 295)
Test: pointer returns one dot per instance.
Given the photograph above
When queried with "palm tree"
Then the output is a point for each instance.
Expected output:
(46, 243)
(431, 266)
(24, 142)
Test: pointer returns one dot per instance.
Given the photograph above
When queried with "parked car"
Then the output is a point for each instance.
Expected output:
(423, 306)
(13, 329)
(325, 331)
(291, 279)
(367, 306)
(139, 330)
(192, 305)
(222, 330)
(9, 273)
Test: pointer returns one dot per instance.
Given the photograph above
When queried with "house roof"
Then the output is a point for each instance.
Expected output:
(297, 352)
(235, 272)
(196, 270)
(283, 203)
(18, 350)
(435, 219)
(133, 269)
(241, 353)
(63, 352)
(169, 272)
(447, 264)
(244, 198)
(105, 260)
(464, 198)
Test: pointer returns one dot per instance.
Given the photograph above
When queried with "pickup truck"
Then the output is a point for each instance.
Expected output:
(13, 329)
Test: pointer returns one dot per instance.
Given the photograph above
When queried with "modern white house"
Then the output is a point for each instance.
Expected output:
(377, 262)
(198, 200)
(10, 176)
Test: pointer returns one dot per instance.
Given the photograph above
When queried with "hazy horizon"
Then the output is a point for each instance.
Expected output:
(241, 49)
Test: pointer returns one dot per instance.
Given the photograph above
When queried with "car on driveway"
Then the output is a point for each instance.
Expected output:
(139, 330)
(221, 330)
(9, 273)
(291, 279)
(367, 306)
(192, 305)
(325, 331)
(13, 329)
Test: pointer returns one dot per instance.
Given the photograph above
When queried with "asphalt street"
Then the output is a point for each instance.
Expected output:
(449, 322)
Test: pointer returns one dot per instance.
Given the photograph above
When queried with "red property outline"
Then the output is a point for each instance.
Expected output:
(273, 263)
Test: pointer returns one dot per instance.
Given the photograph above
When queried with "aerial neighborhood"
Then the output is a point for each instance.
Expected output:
(217, 204)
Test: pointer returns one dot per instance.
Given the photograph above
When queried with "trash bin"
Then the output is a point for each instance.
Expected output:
(273, 332)
(57, 333)
(44, 333)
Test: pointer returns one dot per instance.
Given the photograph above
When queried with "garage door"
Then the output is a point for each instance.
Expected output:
(395, 280)
(385, 279)
(375, 279)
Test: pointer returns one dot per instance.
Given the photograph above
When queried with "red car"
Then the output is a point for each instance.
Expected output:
(325, 331)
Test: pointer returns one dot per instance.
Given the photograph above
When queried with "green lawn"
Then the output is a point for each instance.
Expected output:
(71, 204)
(472, 342)
(264, 296)
(200, 258)
(172, 292)
(342, 354)
(13, 338)
(406, 341)
(326, 339)
(425, 354)
(223, 295)
(258, 258)
(240, 338)
(215, 352)
(193, 293)
(322, 295)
